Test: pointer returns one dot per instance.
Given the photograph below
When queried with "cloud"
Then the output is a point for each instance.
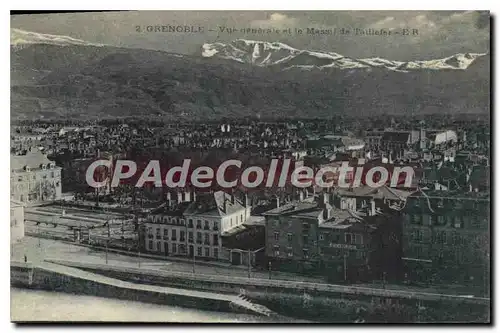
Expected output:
(421, 22)
(276, 20)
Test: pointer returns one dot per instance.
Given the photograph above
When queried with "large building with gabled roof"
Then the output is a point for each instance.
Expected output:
(34, 178)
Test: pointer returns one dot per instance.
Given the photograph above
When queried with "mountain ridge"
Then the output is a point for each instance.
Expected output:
(278, 54)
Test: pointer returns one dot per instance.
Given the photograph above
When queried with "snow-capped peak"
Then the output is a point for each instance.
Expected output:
(265, 54)
(20, 37)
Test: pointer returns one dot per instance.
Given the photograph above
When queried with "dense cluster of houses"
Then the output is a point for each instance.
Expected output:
(417, 232)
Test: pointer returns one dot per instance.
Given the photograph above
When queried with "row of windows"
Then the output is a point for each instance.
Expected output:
(33, 177)
(442, 203)
(181, 249)
(201, 238)
(206, 225)
(339, 253)
(455, 256)
(439, 237)
(457, 221)
(348, 238)
(289, 251)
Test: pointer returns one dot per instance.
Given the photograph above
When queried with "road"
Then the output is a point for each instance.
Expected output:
(38, 249)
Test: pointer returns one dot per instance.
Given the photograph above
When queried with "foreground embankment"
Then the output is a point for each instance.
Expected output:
(54, 277)
(313, 300)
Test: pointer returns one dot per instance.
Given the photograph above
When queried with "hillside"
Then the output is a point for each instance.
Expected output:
(96, 81)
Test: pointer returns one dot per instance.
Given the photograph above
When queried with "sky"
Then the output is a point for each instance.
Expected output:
(441, 33)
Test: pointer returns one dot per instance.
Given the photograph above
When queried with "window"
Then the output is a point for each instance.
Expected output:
(190, 223)
(198, 224)
(190, 237)
(419, 235)
(199, 251)
(182, 222)
(418, 252)
(174, 221)
(216, 252)
(165, 234)
(158, 246)
(289, 252)
(183, 236)
(241, 217)
(165, 247)
(290, 237)
(336, 238)
(321, 237)
(174, 248)
(358, 239)
(198, 237)
(416, 218)
(348, 238)
(216, 226)
(231, 221)
(174, 235)
(207, 239)
(440, 220)
(305, 239)
(360, 255)
(276, 235)
(216, 239)
(52, 174)
(206, 227)
(276, 250)
(150, 247)
(158, 235)
(458, 223)
(306, 253)
(207, 252)
(441, 237)
(182, 249)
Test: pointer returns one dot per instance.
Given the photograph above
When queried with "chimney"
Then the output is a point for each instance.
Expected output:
(326, 198)
(372, 207)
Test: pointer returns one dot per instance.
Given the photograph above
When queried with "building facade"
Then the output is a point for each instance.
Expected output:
(16, 221)
(326, 234)
(34, 178)
(446, 237)
(193, 226)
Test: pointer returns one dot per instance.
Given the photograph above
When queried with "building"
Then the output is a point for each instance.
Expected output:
(328, 234)
(192, 225)
(373, 138)
(446, 237)
(16, 221)
(34, 178)
(398, 142)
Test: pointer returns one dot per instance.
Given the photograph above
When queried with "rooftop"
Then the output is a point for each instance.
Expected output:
(219, 203)
(33, 159)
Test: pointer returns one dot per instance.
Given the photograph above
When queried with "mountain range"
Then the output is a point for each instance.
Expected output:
(62, 77)
(267, 54)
